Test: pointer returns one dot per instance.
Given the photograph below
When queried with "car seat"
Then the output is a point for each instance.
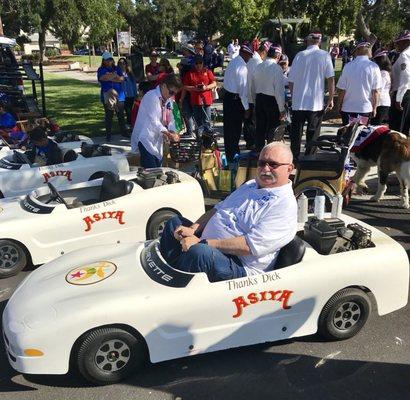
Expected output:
(290, 254)
(69, 156)
(112, 188)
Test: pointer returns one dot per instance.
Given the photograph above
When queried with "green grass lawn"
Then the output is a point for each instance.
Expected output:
(75, 105)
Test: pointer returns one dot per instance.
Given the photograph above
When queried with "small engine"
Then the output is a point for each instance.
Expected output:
(330, 236)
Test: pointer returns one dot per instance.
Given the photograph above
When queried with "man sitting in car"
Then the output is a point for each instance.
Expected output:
(243, 234)
(43, 151)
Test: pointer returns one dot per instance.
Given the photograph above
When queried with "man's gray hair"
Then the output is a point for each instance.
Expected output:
(282, 146)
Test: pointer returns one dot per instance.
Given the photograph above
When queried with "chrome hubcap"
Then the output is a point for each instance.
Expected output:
(112, 355)
(347, 315)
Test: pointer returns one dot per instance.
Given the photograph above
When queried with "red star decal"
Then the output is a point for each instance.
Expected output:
(77, 274)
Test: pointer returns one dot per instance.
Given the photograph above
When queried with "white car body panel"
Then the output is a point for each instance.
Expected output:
(47, 312)
(22, 181)
(47, 236)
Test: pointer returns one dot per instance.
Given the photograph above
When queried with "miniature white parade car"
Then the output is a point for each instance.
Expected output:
(18, 176)
(108, 309)
(65, 143)
(102, 211)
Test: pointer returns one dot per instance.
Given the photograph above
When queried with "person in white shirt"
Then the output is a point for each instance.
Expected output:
(269, 85)
(243, 234)
(359, 85)
(150, 129)
(400, 109)
(233, 49)
(310, 69)
(249, 124)
(235, 101)
(382, 60)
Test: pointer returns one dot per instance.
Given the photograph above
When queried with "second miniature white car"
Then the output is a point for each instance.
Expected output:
(47, 223)
(18, 176)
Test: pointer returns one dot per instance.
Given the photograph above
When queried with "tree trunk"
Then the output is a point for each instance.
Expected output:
(1, 27)
(362, 18)
(42, 44)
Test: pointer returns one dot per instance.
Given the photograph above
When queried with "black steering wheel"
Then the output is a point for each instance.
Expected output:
(55, 195)
(21, 158)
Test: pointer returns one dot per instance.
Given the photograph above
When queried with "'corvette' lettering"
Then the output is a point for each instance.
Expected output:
(155, 268)
(118, 215)
(282, 296)
(51, 174)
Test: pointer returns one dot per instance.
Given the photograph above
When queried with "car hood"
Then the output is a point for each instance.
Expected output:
(82, 277)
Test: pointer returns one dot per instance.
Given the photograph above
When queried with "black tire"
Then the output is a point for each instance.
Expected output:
(157, 223)
(109, 355)
(1, 195)
(96, 175)
(13, 258)
(344, 315)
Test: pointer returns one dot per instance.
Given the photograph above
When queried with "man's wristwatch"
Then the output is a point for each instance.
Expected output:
(203, 241)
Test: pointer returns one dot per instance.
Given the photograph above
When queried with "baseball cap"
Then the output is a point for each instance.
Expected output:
(363, 43)
(189, 48)
(246, 49)
(106, 55)
(380, 53)
(404, 35)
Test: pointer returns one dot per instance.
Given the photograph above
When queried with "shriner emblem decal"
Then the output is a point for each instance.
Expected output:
(92, 273)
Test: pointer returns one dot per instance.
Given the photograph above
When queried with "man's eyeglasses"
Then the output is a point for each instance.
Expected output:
(271, 164)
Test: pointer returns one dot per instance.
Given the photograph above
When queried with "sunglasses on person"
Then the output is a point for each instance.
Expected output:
(271, 164)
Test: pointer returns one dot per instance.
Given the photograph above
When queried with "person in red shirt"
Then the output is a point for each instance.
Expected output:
(152, 68)
(143, 88)
(165, 68)
(199, 82)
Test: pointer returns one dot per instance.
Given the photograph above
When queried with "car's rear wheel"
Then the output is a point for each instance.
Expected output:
(109, 355)
(157, 222)
(345, 314)
(13, 258)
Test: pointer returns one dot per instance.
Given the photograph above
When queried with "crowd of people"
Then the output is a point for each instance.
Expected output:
(261, 88)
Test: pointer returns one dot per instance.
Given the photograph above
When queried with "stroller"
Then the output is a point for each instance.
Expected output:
(326, 170)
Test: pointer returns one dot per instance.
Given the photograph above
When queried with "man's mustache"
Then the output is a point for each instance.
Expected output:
(267, 174)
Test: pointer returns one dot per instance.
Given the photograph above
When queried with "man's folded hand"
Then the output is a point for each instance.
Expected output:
(182, 232)
(187, 242)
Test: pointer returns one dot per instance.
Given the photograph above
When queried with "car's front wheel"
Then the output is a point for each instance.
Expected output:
(345, 314)
(157, 222)
(13, 258)
(109, 355)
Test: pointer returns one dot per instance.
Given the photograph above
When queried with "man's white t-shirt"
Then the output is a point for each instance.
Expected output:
(266, 217)
(359, 77)
(310, 69)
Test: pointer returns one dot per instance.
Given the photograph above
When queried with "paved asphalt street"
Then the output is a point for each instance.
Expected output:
(373, 365)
